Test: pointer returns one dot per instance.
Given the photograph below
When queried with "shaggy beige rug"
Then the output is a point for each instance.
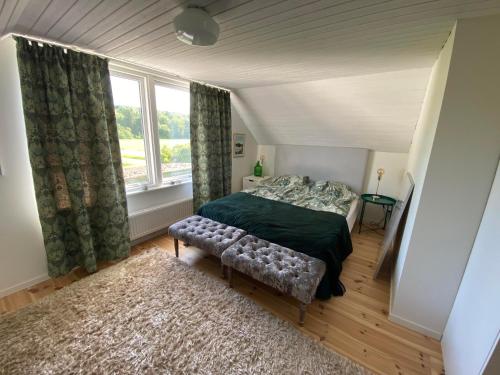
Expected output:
(154, 314)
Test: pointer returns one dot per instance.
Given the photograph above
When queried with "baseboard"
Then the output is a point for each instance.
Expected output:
(29, 283)
(23, 285)
(408, 323)
(154, 232)
(414, 326)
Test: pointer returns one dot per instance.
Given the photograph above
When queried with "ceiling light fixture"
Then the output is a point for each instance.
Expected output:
(194, 26)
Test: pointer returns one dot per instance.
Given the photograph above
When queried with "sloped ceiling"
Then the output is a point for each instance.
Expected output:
(376, 111)
(273, 42)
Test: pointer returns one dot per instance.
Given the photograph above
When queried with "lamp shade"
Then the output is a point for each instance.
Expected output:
(195, 27)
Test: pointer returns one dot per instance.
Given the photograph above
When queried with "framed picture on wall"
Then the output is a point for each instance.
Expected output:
(238, 145)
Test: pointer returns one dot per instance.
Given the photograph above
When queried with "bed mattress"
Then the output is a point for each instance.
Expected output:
(353, 214)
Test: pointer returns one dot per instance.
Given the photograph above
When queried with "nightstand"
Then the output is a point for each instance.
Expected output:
(386, 202)
(253, 181)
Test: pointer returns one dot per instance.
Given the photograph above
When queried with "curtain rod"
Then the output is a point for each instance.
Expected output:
(112, 59)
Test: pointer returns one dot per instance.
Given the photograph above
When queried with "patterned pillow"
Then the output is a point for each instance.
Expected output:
(329, 196)
(287, 180)
(340, 191)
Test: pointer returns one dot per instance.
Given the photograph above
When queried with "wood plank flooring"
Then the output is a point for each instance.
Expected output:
(354, 325)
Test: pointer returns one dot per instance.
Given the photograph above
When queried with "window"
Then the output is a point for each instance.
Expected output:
(130, 121)
(172, 112)
(152, 114)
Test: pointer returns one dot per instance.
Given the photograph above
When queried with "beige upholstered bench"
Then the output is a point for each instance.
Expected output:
(205, 234)
(292, 273)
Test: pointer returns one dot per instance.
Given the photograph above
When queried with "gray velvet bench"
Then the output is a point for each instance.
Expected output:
(205, 234)
(292, 273)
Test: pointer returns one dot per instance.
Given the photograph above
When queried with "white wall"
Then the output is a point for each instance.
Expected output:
(394, 164)
(319, 163)
(444, 219)
(420, 149)
(474, 323)
(343, 164)
(22, 254)
(242, 166)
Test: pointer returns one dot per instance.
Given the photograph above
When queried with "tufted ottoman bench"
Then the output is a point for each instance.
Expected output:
(286, 270)
(204, 233)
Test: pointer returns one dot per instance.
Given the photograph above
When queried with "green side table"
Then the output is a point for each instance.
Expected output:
(386, 202)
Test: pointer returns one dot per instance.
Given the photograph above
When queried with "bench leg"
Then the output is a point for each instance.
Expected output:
(176, 245)
(230, 276)
(302, 314)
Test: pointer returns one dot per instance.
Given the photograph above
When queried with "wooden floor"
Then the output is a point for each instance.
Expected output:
(354, 325)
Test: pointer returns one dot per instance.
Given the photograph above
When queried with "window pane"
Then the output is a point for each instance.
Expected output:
(129, 117)
(172, 107)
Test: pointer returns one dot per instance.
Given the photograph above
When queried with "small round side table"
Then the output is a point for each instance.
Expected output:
(386, 202)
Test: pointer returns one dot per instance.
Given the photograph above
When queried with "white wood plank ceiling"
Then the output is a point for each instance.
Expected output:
(375, 111)
(262, 42)
(371, 58)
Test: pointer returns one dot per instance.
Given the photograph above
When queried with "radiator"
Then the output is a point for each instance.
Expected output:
(151, 220)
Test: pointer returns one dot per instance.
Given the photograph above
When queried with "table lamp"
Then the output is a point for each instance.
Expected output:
(380, 173)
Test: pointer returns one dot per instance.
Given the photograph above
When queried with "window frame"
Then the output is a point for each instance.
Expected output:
(155, 80)
(147, 82)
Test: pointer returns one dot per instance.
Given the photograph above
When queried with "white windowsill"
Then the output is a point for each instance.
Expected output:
(155, 188)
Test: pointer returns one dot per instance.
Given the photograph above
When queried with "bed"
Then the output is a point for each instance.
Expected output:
(329, 196)
(309, 217)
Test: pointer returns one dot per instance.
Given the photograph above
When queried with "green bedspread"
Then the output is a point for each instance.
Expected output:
(323, 235)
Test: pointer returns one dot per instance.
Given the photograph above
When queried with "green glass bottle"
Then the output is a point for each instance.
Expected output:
(257, 171)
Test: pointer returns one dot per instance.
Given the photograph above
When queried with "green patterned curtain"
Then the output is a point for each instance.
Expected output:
(75, 156)
(210, 143)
